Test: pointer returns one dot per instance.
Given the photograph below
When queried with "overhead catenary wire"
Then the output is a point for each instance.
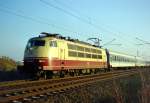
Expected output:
(44, 22)
(85, 16)
(72, 14)
(89, 22)
(143, 41)
(41, 21)
(109, 42)
(19, 14)
(74, 10)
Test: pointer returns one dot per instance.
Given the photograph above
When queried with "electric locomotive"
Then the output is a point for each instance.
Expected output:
(53, 54)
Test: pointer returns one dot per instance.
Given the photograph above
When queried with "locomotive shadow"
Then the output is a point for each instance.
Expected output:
(11, 75)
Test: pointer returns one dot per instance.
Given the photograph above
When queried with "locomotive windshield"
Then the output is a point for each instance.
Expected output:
(36, 43)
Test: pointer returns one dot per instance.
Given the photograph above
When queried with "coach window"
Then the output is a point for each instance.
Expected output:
(53, 44)
(115, 58)
(110, 58)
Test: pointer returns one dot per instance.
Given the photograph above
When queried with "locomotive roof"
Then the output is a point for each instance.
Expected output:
(58, 36)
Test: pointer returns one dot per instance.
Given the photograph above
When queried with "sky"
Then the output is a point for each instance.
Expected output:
(124, 22)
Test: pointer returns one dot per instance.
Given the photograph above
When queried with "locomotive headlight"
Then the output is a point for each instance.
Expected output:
(40, 67)
(41, 61)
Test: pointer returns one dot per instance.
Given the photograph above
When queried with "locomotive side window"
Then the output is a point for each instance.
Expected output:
(99, 51)
(99, 56)
(72, 47)
(93, 50)
(80, 54)
(88, 55)
(72, 53)
(80, 48)
(94, 56)
(87, 49)
(53, 44)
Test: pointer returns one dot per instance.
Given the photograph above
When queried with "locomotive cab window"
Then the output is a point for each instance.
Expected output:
(36, 43)
(53, 44)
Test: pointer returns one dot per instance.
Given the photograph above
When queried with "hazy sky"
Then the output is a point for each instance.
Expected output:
(122, 20)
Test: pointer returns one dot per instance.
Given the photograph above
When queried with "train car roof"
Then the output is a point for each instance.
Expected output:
(121, 54)
(125, 55)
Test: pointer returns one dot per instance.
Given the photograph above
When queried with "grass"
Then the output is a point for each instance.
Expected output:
(7, 64)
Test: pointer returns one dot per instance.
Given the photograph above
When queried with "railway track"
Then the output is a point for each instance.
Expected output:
(27, 91)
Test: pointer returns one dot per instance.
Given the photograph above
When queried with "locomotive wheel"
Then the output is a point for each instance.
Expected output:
(72, 74)
(62, 74)
(49, 74)
(45, 75)
(78, 72)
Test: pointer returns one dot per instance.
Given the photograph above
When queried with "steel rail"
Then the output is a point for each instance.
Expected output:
(23, 83)
(20, 94)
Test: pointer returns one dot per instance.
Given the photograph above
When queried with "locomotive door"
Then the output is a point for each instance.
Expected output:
(62, 56)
